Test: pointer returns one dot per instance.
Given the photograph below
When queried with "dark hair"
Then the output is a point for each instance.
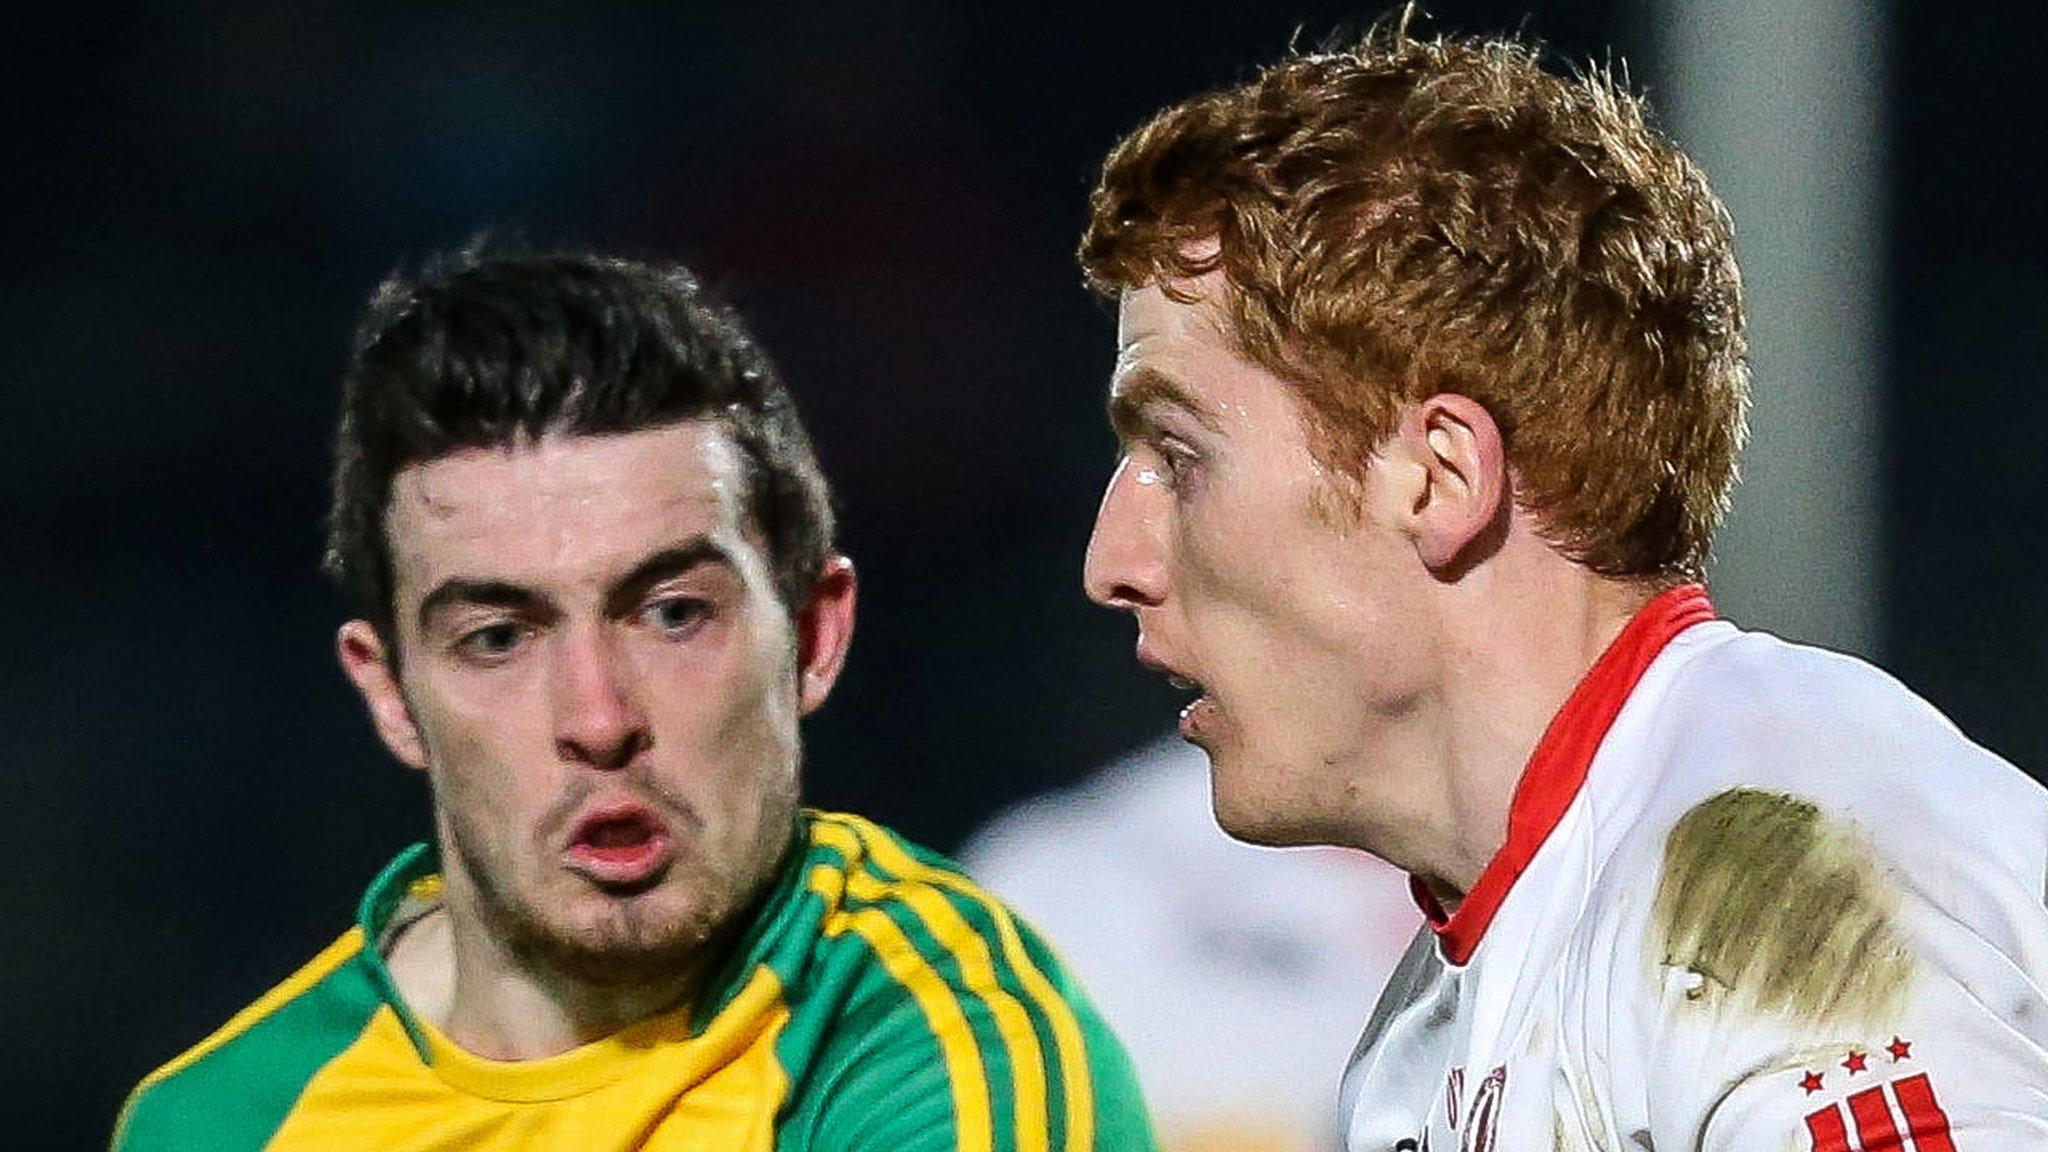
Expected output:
(480, 351)
(1405, 216)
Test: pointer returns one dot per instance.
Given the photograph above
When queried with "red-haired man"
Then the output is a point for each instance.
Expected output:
(1430, 382)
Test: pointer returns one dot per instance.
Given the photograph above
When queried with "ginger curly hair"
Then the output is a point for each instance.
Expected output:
(1402, 217)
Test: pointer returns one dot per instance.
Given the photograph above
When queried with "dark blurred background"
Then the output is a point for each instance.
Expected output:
(198, 197)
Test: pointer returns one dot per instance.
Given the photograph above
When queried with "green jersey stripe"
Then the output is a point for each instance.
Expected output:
(233, 1097)
(965, 1061)
(1002, 1025)
(1074, 1109)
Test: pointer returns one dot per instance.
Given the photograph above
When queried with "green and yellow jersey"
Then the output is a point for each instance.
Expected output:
(879, 1001)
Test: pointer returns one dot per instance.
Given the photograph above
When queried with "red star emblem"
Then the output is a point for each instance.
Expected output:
(1900, 1049)
(1811, 1083)
(1854, 1063)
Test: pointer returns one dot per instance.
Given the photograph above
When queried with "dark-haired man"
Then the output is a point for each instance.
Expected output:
(590, 557)
(1430, 381)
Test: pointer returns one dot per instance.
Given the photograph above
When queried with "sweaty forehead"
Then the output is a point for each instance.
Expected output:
(1149, 315)
(1181, 355)
(562, 508)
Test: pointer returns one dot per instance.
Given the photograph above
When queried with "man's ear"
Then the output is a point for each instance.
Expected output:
(368, 665)
(825, 631)
(1464, 493)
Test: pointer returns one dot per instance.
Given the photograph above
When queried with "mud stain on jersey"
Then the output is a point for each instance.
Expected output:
(1781, 910)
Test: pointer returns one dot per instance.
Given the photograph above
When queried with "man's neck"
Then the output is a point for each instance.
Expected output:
(492, 1004)
(1518, 636)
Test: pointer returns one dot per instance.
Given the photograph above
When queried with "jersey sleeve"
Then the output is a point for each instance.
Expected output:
(1951, 1067)
(941, 1069)
(233, 1090)
(1866, 1101)
(888, 1088)
(1880, 1026)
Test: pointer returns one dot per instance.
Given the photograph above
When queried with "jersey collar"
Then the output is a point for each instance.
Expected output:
(413, 877)
(740, 1001)
(1557, 768)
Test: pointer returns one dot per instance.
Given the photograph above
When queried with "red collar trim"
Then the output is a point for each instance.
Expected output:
(1557, 768)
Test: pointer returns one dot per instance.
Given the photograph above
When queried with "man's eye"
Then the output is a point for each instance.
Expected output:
(676, 613)
(492, 641)
(1178, 458)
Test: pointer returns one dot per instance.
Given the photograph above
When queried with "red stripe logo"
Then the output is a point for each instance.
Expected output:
(1929, 1124)
(1877, 1128)
(1825, 1126)
(1875, 1131)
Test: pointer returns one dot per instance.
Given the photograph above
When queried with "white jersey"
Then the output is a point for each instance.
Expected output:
(1217, 963)
(1754, 897)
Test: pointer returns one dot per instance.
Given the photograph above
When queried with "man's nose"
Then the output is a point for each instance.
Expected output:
(598, 718)
(1126, 567)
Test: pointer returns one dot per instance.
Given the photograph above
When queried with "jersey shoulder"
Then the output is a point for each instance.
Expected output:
(929, 1014)
(1812, 871)
(1750, 711)
(1769, 775)
(232, 1090)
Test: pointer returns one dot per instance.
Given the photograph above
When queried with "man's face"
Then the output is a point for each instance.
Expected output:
(602, 686)
(1280, 589)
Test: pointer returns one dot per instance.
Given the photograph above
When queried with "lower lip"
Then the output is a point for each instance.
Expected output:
(621, 864)
(1199, 719)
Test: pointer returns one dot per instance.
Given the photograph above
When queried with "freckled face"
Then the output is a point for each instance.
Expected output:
(604, 687)
(1250, 575)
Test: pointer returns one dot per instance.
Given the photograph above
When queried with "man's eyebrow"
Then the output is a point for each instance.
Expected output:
(663, 565)
(1143, 387)
(491, 593)
(623, 592)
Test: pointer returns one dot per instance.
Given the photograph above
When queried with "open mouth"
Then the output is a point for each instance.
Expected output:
(1197, 715)
(1200, 713)
(620, 835)
(619, 845)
